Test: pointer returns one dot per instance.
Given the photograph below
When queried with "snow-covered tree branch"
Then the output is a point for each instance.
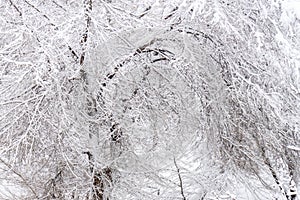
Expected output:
(155, 99)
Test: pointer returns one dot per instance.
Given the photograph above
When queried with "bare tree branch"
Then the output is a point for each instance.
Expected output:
(180, 180)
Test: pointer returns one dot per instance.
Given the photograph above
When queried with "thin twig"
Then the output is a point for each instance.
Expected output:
(21, 177)
(38, 10)
(17, 9)
(180, 180)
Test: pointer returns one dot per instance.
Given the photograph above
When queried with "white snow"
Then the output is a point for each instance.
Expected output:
(293, 148)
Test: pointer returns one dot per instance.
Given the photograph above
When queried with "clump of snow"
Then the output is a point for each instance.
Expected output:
(293, 148)
(290, 11)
